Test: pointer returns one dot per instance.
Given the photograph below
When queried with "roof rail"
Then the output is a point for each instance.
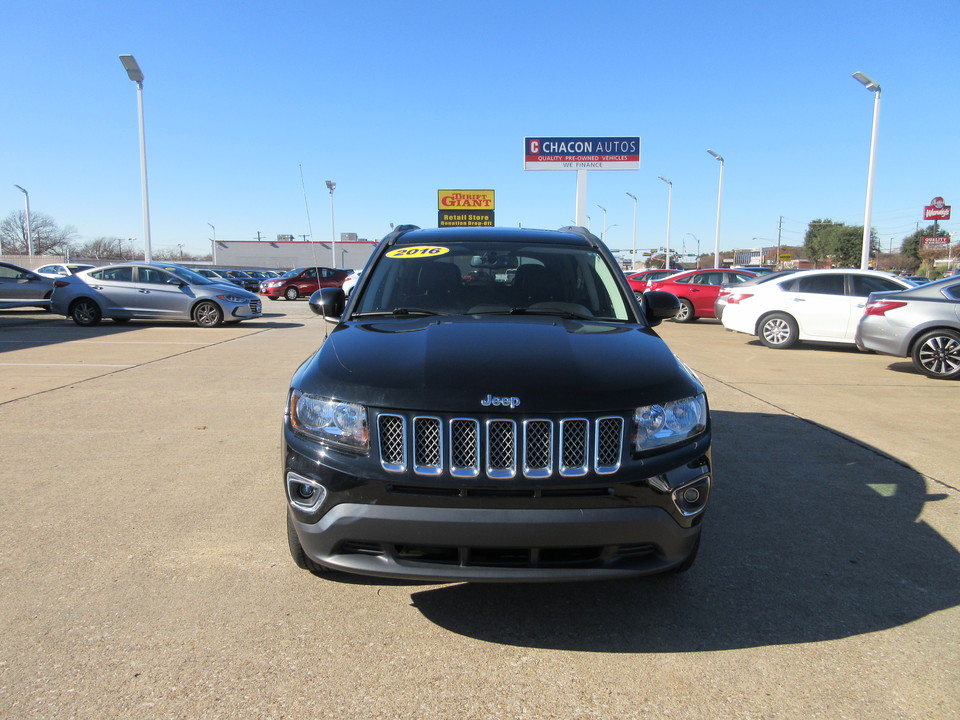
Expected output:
(584, 233)
(397, 232)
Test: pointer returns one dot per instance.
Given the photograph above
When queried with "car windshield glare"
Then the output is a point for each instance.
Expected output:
(189, 276)
(481, 278)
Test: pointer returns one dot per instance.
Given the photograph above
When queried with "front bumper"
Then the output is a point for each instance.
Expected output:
(496, 545)
(441, 529)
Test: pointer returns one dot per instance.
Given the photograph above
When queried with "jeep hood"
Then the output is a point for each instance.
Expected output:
(551, 364)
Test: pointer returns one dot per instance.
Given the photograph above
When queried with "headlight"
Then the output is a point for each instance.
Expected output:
(341, 423)
(234, 299)
(659, 426)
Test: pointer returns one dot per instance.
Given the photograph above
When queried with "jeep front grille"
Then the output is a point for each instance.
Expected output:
(500, 448)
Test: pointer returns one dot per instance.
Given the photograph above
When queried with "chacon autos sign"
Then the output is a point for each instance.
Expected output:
(581, 153)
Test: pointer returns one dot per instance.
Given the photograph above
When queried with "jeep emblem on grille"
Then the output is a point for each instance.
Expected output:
(510, 402)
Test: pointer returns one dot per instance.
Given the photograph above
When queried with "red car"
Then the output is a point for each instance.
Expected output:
(302, 282)
(640, 281)
(697, 290)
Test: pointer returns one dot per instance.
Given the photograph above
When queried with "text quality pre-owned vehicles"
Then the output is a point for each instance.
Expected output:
(922, 323)
(697, 290)
(153, 292)
(20, 287)
(302, 282)
(531, 426)
(816, 305)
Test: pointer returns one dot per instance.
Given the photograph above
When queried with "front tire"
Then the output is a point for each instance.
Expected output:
(778, 331)
(298, 554)
(207, 314)
(291, 293)
(85, 312)
(937, 354)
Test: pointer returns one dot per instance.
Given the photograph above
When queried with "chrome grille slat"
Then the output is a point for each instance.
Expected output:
(427, 446)
(503, 448)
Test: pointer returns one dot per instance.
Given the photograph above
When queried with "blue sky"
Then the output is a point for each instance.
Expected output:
(395, 100)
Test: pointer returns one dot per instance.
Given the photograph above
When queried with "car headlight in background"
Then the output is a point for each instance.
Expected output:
(327, 420)
(660, 426)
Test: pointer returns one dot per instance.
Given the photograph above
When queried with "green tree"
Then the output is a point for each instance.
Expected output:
(843, 243)
(45, 235)
(911, 244)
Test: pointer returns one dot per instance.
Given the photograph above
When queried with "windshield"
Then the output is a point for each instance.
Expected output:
(189, 276)
(484, 278)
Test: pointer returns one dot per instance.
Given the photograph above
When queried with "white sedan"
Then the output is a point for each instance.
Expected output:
(816, 305)
(58, 270)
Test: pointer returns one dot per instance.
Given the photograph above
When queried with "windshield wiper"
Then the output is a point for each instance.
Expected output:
(397, 312)
(557, 313)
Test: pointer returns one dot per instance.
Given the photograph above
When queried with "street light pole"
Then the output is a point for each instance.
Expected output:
(603, 235)
(716, 242)
(26, 197)
(698, 248)
(868, 210)
(669, 207)
(213, 244)
(331, 186)
(633, 252)
(135, 74)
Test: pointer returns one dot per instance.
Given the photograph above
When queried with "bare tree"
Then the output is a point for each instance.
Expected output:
(46, 236)
(101, 249)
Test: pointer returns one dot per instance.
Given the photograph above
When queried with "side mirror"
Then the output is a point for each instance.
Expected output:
(329, 302)
(659, 306)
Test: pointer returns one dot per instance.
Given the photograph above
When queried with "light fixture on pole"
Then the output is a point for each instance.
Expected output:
(331, 186)
(603, 235)
(698, 248)
(26, 196)
(868, 210)
(633, 252)
(716, 242)
(669, 208)
(135, 74)
(213, 244)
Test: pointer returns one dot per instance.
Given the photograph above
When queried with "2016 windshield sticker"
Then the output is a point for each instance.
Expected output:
(418, 251)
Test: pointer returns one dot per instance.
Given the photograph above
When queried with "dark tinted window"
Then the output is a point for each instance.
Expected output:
(863, 285)
(818, 284)
(952, 292)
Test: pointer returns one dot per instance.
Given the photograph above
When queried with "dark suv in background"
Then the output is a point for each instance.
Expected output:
(527, 425)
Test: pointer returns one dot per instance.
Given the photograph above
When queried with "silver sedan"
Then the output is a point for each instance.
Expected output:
(150, 291)
(922, 323)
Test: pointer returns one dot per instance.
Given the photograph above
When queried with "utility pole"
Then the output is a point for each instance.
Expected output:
(776, 261)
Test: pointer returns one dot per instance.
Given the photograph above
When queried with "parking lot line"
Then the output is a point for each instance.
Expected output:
(63, 365)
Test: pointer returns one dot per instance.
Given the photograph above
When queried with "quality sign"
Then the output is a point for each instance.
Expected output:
(581, 153)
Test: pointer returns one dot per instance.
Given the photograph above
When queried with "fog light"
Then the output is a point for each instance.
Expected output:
(692, 498)
(304, 493)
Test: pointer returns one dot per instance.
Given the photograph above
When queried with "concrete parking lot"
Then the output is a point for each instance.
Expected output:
(144, 571)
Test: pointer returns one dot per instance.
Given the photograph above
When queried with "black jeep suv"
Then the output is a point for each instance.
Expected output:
(494, 405)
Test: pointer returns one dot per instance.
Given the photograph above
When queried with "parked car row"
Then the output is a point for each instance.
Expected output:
(876, 311)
